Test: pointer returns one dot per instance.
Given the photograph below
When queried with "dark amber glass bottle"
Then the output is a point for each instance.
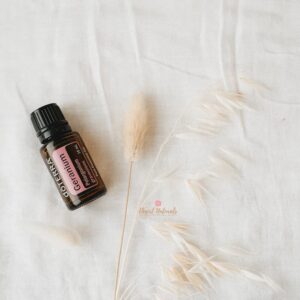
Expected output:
(67, 158)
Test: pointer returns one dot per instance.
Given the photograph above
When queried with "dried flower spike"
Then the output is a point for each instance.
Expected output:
(135, 130)
(136, 127)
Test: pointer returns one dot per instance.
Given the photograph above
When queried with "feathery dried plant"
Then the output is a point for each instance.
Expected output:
(213, 116)
(194, 270)
(220, 166)
(135, 130)
(215, 112)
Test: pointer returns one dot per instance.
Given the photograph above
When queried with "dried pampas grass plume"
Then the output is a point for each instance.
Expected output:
(214, 112)
(221, 165)
(55, 235)
(135, 130)
(195, 271)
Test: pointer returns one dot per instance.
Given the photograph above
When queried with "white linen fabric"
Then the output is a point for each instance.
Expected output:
(90, 57)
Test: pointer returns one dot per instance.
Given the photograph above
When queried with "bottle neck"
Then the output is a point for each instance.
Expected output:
(54, 133)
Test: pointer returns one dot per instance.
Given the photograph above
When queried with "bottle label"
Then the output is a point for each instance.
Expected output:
(75, 167)
(57, 177)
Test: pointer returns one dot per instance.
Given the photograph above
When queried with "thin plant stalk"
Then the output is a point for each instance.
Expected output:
(140, 202)
(116, 291)
(135, 130)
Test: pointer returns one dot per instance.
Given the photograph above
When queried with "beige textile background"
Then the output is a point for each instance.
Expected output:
(90, 57)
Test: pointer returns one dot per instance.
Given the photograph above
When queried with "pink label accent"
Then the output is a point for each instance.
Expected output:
(67, 171)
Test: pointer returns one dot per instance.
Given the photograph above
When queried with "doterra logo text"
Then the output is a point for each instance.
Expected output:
(57, 178)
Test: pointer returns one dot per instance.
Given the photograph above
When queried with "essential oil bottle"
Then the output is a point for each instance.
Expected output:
(67, 158)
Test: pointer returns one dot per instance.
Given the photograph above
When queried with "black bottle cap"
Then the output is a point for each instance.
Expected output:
(49, 122)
